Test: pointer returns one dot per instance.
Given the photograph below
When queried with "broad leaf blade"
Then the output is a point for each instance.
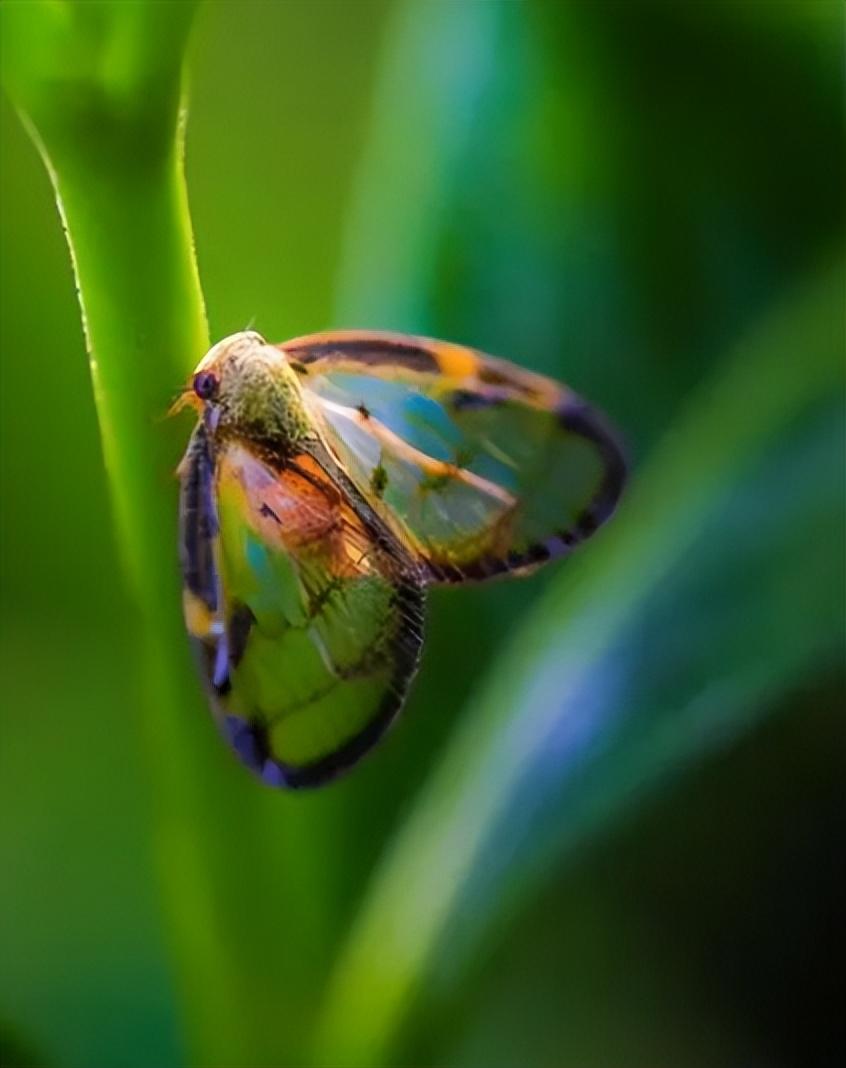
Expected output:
(556, 713)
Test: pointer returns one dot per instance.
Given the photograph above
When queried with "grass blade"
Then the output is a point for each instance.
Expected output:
(529, 722)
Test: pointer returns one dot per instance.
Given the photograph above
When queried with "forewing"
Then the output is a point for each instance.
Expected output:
(480, 466)
(319, 620)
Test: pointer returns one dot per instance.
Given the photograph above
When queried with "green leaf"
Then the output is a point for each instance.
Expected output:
(582, 709)
(410, 160)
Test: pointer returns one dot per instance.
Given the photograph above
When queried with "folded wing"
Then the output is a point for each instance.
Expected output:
(313, 631)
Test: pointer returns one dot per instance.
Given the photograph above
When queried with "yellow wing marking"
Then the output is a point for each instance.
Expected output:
(200, 621)
(455, 361)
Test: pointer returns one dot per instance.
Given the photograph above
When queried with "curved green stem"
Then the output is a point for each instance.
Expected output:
(98, 85)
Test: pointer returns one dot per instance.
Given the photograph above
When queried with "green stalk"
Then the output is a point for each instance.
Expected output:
(99, 87)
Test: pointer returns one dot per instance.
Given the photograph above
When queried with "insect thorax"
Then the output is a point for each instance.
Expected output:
(262, 400)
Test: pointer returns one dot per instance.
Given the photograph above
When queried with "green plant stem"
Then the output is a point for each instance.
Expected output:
(143, 313)
(144, 323)
(99, 88)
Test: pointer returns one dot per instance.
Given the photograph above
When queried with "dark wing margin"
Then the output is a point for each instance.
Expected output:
(198, 523)
(578, 418)
(201, 594)
(363, 349)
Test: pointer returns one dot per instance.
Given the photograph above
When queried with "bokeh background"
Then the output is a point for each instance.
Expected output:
(615, 194)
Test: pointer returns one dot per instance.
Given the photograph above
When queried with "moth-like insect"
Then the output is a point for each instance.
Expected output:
(328, 482)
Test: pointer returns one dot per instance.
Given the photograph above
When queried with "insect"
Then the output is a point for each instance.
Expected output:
(328, 482)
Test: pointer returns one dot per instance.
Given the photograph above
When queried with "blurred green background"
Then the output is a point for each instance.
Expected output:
(621, 195)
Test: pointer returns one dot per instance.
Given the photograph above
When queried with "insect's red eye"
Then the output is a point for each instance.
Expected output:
(205, 385)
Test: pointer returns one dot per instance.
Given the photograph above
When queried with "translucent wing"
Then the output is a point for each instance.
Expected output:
(307, 614)
(480, 467)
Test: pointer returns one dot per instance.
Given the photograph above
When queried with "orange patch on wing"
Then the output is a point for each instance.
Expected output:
(285, 508)
(298, 511)
(199, 619)
(455, 361)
